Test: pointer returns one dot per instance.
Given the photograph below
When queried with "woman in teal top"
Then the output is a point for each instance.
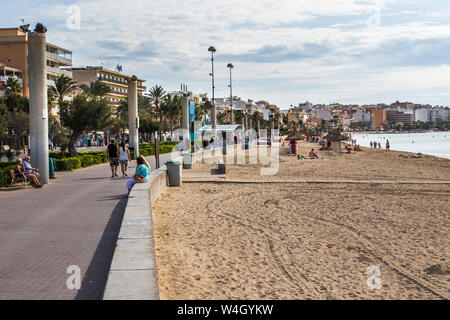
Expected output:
(142, 173)
(142, 170)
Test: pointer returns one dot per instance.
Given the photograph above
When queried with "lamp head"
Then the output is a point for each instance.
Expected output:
(212, 49)
(230, 66)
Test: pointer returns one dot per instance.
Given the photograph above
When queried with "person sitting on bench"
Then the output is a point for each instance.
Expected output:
(19, 170)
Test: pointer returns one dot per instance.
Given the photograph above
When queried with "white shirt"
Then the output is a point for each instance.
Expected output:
(123, 155)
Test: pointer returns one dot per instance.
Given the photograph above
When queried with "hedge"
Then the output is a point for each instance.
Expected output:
(7, 164)
(5, 175)
(67, 164)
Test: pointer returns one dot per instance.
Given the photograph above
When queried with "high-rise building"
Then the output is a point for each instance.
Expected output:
(14, 57)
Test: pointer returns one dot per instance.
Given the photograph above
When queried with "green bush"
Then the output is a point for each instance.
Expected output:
(86, 160)
(7, 164)
(67, 164)
(5, 175)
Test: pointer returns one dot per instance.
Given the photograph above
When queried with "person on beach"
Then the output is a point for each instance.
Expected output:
(141, 174)
(112, 154)
(124, 157)
(379, 145)
(313, 155)
(371, 144)
(388, 145)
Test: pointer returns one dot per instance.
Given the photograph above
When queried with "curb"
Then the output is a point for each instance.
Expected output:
(133, 273)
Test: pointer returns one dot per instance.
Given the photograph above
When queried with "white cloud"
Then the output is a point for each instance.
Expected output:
(176, 35)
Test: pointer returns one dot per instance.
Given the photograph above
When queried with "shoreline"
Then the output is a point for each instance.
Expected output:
(394, 144)
(395, 132)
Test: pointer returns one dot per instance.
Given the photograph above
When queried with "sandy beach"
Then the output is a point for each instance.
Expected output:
(248, 236)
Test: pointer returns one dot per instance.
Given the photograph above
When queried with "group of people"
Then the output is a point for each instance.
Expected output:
(121, 156)
(24, 169)
(375, 145)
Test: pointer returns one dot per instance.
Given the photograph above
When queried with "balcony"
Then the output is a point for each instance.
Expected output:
(121, 82)
(59, 71)
(65, 60)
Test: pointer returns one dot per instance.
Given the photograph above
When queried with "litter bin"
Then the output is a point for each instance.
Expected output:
(51, 168)
(187, 160)
(132, 153)
(174, 172)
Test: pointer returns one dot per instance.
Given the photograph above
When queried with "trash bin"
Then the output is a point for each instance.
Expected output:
(51, 168)
(174, 172)
(187, 160)
(132, 153)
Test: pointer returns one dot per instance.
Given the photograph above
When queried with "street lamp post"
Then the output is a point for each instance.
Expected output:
(231, 94)
(213, 113)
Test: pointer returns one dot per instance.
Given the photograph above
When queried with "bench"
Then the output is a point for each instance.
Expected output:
(16, 178)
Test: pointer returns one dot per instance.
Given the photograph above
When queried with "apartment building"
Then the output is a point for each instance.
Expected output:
(362, 116)
(116, 81)
(393, 116)
(14, 58)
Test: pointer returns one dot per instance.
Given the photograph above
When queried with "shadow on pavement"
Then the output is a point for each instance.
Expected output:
(94, 282)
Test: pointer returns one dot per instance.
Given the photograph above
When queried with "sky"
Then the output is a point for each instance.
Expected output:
(284, 51)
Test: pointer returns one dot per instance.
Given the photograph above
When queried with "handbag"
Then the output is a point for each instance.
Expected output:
(139, 179)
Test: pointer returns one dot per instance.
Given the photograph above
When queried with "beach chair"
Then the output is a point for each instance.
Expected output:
(16, 178)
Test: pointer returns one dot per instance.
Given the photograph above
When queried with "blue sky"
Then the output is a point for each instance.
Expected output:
(284, 51)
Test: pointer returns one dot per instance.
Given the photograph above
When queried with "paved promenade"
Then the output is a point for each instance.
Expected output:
(73, 221)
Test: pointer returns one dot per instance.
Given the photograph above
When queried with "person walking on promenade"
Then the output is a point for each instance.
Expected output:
(379, 145)
(141, 174)
(124, 157)
(371, 144)
(112, 154)
(388, 145)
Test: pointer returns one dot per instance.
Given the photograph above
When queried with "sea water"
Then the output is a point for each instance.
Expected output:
(431, 143)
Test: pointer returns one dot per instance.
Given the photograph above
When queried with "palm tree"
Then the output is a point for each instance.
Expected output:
(96, 89)
(171, 107)
(63, 87)
(157, 93)
(13, 85)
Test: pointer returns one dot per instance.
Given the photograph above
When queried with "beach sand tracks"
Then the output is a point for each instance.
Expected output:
(365, 252)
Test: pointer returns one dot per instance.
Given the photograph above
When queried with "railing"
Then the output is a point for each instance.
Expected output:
(59, 71)
(123, 82)
(59, 58)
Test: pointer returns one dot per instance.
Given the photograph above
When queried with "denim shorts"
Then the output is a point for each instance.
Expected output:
(123, 161)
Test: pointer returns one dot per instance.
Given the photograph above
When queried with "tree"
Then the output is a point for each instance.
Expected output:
(84, 114)
(171, 108)
(96, 89)
(4, 118)
(63, 87)
(59, 135)
(13, 85)
(200, 111)
(148, 126)
(143, 107)
(222, 118)
(157, 94)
